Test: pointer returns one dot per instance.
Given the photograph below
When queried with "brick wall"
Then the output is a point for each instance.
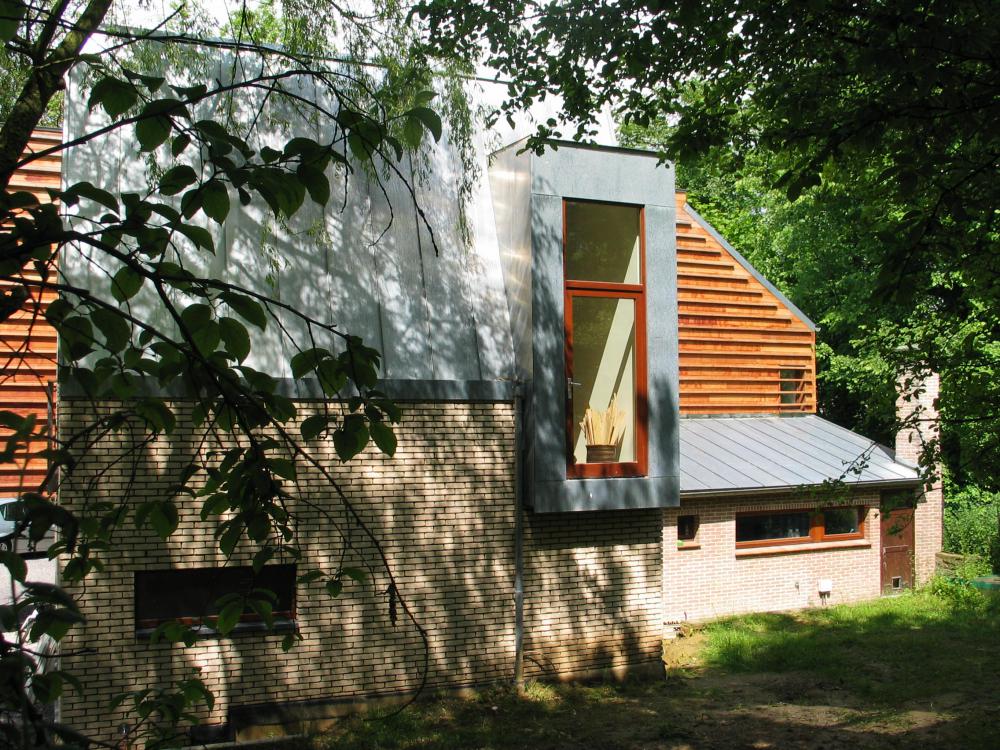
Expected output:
(712, 580)
(592, 591)
(916, 410)
(443, 510)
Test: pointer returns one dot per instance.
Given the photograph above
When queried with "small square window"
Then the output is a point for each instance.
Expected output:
(687, 528)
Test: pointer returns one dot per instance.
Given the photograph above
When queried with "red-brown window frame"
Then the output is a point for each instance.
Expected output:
(637, 293)
(817, 527)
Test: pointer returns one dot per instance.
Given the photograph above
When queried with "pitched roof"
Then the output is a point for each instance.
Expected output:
(755, 453)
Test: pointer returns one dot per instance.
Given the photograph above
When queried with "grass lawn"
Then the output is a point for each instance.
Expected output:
(911, 671)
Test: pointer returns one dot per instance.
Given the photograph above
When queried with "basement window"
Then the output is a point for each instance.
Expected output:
(799, 526)
(192, 596)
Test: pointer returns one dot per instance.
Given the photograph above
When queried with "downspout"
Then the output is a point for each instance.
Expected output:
(518, 537)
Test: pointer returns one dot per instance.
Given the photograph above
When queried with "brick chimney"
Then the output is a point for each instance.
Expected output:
(916, 412)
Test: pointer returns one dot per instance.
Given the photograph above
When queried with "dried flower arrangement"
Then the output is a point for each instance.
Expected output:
(604, 427)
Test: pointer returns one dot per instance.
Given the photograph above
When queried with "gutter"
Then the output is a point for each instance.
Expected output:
(741, 491)
(518, 538)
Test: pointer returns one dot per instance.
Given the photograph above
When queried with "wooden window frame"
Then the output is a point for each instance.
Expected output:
(817, 527)
(637, 293)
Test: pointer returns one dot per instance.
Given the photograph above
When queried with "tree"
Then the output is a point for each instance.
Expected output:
(889, 104)
(146, 244)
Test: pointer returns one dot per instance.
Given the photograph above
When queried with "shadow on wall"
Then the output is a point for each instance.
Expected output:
(442, 511)
(592, 583)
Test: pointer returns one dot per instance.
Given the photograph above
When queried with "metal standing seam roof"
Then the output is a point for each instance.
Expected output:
(750, 454)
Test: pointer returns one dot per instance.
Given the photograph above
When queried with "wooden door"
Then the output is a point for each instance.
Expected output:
(897, 550)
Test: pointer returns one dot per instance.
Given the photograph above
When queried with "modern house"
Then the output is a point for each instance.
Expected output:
(586, 281)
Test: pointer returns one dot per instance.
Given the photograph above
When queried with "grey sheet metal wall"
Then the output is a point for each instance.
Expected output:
(435, 310)
(528, 192)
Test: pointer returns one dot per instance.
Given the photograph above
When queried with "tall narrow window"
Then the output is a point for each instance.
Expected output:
(605, 339)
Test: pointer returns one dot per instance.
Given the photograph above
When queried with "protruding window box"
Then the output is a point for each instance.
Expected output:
(588, 250)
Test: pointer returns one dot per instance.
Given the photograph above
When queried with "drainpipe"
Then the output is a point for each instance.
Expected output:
(518, 537)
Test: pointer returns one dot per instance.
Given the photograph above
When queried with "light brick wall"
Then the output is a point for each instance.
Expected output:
(592, 585)
(920, 402)
(443, 510)
(712, 581)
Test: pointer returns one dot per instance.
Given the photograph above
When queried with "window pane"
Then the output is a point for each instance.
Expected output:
(755, 528)
(840, 521)
(603, 356)
(791, 386)
(193, 593)
(687, 528)
(602, 243)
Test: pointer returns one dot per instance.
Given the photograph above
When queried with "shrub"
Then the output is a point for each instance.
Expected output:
(971, 518)
(957, 588)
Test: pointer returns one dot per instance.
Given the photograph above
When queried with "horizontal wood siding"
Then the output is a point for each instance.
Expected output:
(740, 345)
(27, 341)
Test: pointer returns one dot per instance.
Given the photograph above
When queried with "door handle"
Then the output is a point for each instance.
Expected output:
(570, 383)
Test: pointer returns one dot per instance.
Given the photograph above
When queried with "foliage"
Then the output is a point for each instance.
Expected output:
(957, 591)
(972, 523)
(881, 115)
(153, 323)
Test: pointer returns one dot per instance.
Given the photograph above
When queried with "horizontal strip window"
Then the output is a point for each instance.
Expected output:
(195, 596)
(799, 526)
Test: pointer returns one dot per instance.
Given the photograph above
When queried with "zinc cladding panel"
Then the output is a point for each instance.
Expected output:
(757, 453)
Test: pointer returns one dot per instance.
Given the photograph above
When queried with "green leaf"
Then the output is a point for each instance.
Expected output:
(195, 316)
(384, 437)
(215, 200)
(91, 192)
(283, 467)
(116, 330)
(313, 427)
(413, 132)
(261, 559)
(247, 308)
(235, 337)
(125, 284)
(180, 142)
(11, 14)
(334, 586)
(429, 119)
(116, 96)
(177, 178)
(350, 439)
(306, 361)
(200, 236)
(154, 127)
(229, 617)
(316, 183)
(309, 577)
(332, 376)
(163, 518)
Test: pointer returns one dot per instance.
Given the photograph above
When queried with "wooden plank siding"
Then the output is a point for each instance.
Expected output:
(740, 345)
(27, 341)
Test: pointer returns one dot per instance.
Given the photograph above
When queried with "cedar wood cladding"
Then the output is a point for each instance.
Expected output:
(27, 341)
(735, 335)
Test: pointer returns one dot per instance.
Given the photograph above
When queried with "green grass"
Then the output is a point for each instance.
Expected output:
(882, 650)
(915, 671)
